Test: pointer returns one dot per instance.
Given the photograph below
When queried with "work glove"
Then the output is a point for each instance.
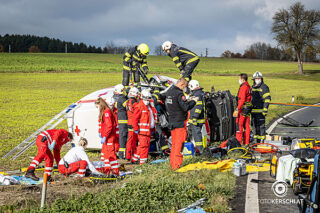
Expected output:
(103, 140)
(264, 112)
(194, 122)
(51, 146)
(193, 98)
(235, 113)
(146, 71)
(137, 131)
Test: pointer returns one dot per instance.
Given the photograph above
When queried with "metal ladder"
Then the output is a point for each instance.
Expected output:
(55, 121)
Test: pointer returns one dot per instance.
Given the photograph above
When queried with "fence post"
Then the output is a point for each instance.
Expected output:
(44, 189)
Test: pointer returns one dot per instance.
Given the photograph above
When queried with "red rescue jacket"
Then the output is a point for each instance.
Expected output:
(244, 95)
(142, 118)
(108, 124)
(60, 136)
(131, 104)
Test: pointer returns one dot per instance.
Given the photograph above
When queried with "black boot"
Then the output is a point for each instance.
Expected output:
(50, 179)
(30, 174)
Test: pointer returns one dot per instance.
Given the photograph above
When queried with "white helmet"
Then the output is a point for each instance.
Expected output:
(119, 88)
(133, 92)
(110, 101)
(193, 84)
(257, 74)
(166, 45)
(146, 94)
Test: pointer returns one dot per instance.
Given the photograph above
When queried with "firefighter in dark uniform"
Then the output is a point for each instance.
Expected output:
(197, 119)
(121, 102)
(184, 59)
(160, 136)
(133, 59)
(260, 100)
(177, 107)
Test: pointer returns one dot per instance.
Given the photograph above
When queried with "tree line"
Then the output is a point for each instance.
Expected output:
(31, 43)
(264, 51)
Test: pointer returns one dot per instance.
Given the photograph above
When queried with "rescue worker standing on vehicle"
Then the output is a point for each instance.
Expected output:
(177, 107)
(184, 59)
(260, 100)
(144, 122)
(132, 136)
(121, 103)
(197, 113)
(242, 112)
(47, 141)
(133, 59)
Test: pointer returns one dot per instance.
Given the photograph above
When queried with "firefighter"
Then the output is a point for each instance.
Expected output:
(133, 59)
(144, 122)
(260, 101)
(242, 112)
(197, 113)
(121, 103)
(47, 141)
(177, 107)
(108, 135)
(184, 59)
(132, 136)
(76, 161)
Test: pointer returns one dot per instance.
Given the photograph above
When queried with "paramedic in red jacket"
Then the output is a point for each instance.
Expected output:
(132, 136)
(108, 135)
(243, 110)
(47, 141)
(144, 122)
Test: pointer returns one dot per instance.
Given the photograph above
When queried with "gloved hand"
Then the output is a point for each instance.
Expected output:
(103, 140)
(194, 122)
(100, 135)
(51, 146)
(235, 113)
(137, 132)
(146, 71)
(193, 98)
(264, 112)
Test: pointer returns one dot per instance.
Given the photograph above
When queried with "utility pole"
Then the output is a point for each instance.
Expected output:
(66, 48)
(9, 48)
(206, 52)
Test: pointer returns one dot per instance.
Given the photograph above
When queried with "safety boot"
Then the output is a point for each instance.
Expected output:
(30, 174)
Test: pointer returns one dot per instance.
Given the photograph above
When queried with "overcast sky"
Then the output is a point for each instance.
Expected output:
(194, 24)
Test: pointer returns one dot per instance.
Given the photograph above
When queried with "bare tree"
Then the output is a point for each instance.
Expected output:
(296, 28)
(158, 50)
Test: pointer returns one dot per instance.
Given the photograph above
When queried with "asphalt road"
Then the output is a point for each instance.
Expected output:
(303, 115)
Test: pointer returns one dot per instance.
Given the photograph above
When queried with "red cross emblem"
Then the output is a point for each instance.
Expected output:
(77, 130)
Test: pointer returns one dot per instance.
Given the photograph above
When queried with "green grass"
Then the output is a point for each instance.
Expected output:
(75, 62)
(35, 87)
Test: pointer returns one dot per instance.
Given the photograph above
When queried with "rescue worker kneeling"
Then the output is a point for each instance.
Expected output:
(108, 135)
(144, 121)
(47, 141)
(132, 136)
(197, 119)
(184, 59)
(77, 161)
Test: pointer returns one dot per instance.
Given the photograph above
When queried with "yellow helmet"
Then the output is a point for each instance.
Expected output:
(143, 49)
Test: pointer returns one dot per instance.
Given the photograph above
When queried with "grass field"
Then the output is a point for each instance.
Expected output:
(35, 87)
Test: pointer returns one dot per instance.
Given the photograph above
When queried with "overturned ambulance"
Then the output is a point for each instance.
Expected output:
(219, 126)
